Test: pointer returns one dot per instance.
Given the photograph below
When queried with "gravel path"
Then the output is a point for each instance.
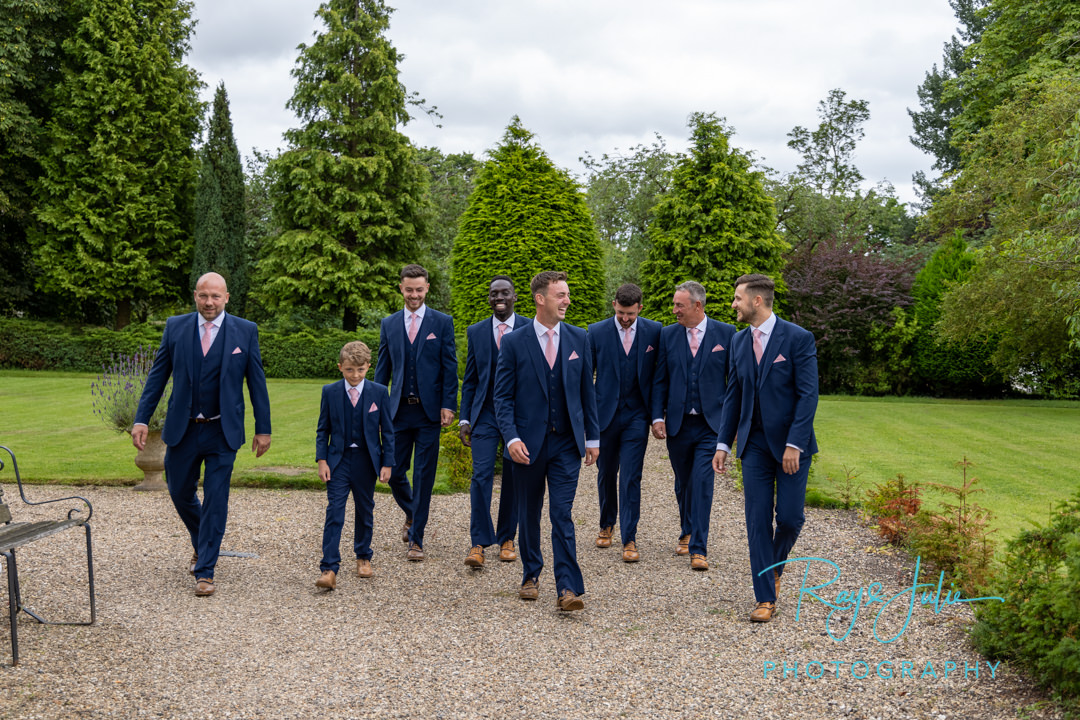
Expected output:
(438, 640)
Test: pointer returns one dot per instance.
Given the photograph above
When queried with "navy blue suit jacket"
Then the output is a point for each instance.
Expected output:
(330, 441)
(521, 387)
(786, 390)
(436, 361)
(478, 368)
(240, 359)
(673, 371)
(605, 340)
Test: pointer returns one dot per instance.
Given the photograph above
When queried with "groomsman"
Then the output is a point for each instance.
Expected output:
(210, 355)
(691, 378)
(769, 407)
(479, 430)
(624, 351)
(546, 408)
(418, 360)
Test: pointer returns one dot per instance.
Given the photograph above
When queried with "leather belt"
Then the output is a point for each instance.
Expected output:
(412, 400)
(202, 421)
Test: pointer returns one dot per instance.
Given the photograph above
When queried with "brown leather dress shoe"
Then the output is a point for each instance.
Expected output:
(327, 581)
(630, 553)
(363, 568)
(405, 531)
(193, 563)
(530, 590)
(569, 601)
(603, 539)
(698, 562)
(684, 546)
(204, 587)
(476, 557)
(506, 552)
(763, 612)
(415, 554)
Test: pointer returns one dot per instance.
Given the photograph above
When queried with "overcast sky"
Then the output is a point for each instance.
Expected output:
(604, 75)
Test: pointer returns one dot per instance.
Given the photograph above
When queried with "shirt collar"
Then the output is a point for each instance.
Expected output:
(701, 326)
(359, 388)
(541, 329)
(633, 326)
(495, 322)
(217, 321)
(419, 313)
(766, 327)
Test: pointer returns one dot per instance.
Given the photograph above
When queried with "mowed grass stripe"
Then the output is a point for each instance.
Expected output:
(1025, 452)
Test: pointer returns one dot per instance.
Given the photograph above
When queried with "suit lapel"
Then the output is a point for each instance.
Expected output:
(422, 332)
(564, 351)
(337, 407)
(617, 340)
(537, 355)
(226, 355)
(771, 351)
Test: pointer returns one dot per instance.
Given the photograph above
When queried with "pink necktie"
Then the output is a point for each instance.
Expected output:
(207, 338)
(412, 327)
(627, 339)
(549, 353)
(498, 338)
(693, 342)
(354, 395)
(759, 349)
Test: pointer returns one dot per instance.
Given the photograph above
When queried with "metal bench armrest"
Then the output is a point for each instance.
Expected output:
(22, 493)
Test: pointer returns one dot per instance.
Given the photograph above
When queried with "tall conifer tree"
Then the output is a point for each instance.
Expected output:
(219, 207)
(715, 224)
(115, 198)
(348, 192)
(526, 216)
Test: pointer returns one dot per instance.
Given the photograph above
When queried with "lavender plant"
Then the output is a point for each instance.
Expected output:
(117, 390)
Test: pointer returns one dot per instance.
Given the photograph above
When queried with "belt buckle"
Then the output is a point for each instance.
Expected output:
(412, 400)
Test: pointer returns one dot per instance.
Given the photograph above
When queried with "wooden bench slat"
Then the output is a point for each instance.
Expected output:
(18, 534)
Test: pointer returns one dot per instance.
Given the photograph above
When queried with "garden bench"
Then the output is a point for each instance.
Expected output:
(14, 535)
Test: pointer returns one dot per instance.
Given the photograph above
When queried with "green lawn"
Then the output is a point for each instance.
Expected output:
(1024, 451)
(48, 422)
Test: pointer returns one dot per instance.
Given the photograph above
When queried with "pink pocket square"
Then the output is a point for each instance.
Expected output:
(573, 355)
(649, 349)
(431, 336)
(780, 358)
(373, 408)
(718, 347)
(237, 351)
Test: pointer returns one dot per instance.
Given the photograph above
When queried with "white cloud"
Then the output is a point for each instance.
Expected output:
(598, 75)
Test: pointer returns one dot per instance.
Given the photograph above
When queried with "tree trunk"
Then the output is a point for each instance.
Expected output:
(123, 314)
(349, 321)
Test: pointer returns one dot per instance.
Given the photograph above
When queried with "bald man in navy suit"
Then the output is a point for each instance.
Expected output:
(209, 354)
(769, 407)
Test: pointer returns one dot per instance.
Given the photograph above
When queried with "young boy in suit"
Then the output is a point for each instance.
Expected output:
(354, 445)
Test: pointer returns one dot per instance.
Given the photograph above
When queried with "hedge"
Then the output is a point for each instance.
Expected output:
(35, 345)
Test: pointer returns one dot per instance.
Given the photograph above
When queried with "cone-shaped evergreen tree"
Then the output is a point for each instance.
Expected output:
(348, 192)
(715, 224)
(219, 207)
(525, 216)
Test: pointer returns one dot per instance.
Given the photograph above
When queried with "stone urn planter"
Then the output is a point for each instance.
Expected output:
(151, 460)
